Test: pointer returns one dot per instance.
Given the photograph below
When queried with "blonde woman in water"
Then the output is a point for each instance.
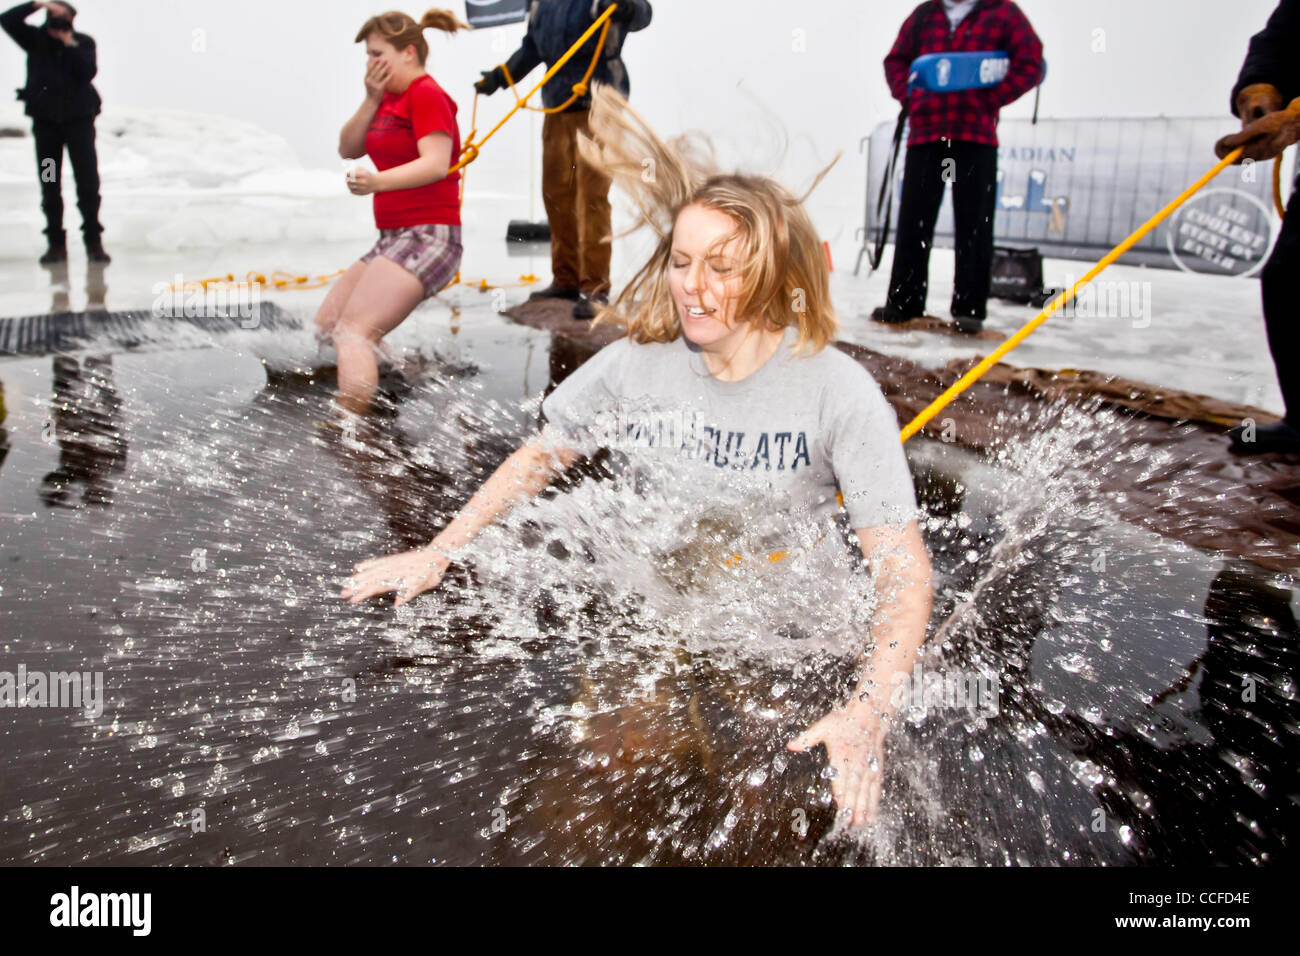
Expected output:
(727, 326)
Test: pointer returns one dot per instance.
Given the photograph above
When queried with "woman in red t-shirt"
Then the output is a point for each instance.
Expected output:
(407, 125)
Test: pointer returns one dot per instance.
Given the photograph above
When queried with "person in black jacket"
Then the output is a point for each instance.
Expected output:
(1267, 99)
(576, 195)
(63, 105)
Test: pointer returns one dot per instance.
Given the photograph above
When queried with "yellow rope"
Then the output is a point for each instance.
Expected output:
(278, 279)
(470, 149)
(281, 281)
(963, 383)
(579, 88)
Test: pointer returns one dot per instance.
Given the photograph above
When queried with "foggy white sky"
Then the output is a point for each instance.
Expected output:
(724, 66)
(291, 63)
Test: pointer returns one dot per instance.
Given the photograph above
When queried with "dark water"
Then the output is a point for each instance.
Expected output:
(181, 522)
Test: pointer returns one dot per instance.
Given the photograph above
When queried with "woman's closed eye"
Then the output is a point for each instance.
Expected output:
(717, 268)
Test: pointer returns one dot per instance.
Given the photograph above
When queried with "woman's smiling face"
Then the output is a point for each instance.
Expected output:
(703, 275)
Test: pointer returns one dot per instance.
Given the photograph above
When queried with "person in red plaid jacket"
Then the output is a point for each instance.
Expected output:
(953, 138)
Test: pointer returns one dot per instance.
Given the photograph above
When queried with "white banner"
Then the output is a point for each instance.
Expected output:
(1076, 188)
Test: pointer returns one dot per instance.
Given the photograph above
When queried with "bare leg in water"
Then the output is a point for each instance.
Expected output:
(327, 316)
(373, 299)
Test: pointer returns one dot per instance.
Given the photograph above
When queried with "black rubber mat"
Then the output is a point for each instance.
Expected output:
(67, 331)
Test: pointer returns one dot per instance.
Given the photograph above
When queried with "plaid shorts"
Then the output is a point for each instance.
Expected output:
(430, 253)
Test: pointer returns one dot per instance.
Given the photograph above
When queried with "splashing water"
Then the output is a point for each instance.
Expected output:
(591, 683)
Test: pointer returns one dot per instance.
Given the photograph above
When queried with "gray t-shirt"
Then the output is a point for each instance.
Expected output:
(792, 433)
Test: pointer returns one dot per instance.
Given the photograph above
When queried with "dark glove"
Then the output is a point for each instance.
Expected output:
(492, 81)
(1257, 101)
(1265, 137)
(622, 15)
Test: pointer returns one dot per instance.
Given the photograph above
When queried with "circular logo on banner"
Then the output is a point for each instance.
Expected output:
(1221, 232)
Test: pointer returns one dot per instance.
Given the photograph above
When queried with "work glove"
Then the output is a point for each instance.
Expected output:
(1265, 137)
(492, 81)
(622, 15)
(1257, 101)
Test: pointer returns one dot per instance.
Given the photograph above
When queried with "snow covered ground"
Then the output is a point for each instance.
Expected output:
(174, 182)
(196, 195)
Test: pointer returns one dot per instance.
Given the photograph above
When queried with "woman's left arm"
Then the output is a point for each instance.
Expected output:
(901, 564)
(435, 160)
(854, 735)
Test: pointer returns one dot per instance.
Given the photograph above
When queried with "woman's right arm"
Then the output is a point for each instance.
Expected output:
(520, 477)
(352, 139)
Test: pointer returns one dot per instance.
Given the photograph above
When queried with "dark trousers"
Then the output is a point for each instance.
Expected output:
(972, 169)
(1277, 285)
(78, 138)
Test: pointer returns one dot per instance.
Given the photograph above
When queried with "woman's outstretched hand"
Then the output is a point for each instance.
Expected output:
(408, 574)
(855, 749)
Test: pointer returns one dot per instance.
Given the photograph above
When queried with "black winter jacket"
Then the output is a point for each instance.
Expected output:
(1274, 54)
(554, 26)
(58, 77)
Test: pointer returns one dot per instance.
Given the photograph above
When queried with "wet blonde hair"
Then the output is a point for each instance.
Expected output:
(785, 276)
(402, 31)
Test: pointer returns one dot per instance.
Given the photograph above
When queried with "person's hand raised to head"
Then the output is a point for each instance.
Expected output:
(378, 74)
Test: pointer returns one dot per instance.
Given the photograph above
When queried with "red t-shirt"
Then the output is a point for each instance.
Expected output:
(402, 119)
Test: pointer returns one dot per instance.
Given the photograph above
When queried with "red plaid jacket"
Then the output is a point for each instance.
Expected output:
(969, 115)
